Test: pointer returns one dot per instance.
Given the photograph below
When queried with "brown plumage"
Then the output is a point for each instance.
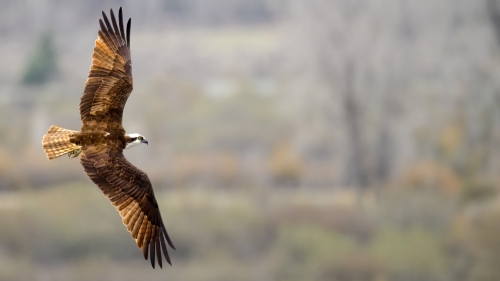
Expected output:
(56, 142)
(102, 139)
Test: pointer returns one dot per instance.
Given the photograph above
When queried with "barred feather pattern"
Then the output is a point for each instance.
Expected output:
(102, 140)
(109, 83)
(129, 190)
(56, 142)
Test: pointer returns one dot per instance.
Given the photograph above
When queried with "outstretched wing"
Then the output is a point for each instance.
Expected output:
(130, 191)
(110, 79)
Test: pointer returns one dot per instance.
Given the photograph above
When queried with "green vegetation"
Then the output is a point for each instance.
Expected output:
(242, 235)
(41, 66)
(289, 140)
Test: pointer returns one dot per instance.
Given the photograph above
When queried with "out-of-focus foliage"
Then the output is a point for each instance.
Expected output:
(288, 140)
(42, 65)
(251, 235)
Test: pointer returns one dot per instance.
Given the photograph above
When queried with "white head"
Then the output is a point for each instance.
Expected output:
(136, 140)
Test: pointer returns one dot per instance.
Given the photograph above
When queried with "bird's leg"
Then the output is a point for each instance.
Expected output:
(75, 153)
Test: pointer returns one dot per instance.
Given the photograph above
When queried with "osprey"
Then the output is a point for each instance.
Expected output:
(102, 139)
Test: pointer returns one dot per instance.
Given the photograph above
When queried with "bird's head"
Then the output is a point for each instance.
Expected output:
(135, 139)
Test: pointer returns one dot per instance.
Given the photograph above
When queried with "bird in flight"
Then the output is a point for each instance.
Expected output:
(102, 139)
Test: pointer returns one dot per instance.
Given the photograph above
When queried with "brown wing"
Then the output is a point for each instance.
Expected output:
(110, 79)
(130, 191)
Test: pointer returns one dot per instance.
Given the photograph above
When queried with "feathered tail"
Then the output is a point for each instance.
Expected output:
(56, 142)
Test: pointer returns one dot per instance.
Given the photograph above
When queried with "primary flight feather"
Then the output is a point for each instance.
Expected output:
(102, 139)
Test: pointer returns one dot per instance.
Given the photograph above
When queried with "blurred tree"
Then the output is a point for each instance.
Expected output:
(357, 170)
(343, 67)
(42, 65)
(494, 14)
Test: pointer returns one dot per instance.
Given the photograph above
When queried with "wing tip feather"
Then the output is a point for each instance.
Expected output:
(129, 22)
(135, 216)
(120, 20)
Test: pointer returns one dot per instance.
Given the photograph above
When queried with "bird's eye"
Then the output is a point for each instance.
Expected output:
(140, 138)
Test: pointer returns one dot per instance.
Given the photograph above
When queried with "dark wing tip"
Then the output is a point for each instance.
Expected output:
(115, 25)
(104, 15)
(128, 32)
(158, 251)
(106, 21)
(164, 248)
(103, 27)
(145, 248)
(113, 20)
(169, 241)
(120, 19)
(152, 253)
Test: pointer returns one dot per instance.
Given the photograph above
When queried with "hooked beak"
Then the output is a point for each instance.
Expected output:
(144, 141)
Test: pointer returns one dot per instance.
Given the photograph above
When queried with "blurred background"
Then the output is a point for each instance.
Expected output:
(345, 140)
